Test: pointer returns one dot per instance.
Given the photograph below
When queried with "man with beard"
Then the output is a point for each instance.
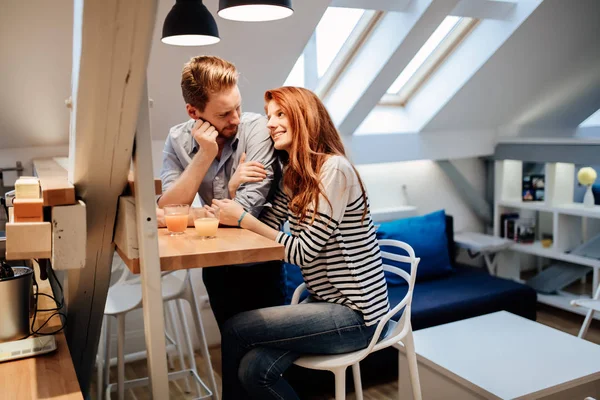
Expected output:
(207, 155)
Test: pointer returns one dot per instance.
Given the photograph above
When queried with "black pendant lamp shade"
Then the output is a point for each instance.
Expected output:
(257, 10)
(189, 23)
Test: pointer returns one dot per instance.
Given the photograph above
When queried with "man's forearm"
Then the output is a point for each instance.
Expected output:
(184, 189)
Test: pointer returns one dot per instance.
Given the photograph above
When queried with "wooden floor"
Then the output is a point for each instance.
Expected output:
(555, 318)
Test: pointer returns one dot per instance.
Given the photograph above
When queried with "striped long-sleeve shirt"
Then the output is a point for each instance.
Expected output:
(338, 253)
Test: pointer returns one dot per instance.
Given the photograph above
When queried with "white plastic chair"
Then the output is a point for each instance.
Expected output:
(125, 296)
(592, 305)
(396, 332)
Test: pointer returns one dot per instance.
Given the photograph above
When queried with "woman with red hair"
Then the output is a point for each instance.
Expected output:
(333, 242)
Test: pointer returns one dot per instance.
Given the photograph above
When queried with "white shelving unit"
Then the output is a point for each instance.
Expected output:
(572, 223)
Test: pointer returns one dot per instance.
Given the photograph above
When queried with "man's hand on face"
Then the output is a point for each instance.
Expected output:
(205, 135)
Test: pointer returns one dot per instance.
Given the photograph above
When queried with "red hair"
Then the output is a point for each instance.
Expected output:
(314, 139)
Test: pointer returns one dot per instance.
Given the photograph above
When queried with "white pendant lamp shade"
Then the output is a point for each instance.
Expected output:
(254, 11)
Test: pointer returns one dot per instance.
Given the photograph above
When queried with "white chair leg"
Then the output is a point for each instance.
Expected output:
(100, 359)
(188, 340)
(586, 324)
(106, 378)
(357, 381)
(169, 332)
(413, 370)
(120, 356)
(175, 323)
(191, 298)
(340, 383)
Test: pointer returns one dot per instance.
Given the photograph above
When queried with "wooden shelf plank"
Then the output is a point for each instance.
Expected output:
(54, 182)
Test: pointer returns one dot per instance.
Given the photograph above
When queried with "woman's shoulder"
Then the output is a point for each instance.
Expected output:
(336, 162)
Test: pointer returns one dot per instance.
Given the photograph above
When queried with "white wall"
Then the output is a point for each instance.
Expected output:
(427, 187)
(9, 157)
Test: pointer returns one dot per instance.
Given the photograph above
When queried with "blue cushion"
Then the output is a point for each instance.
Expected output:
(293, 279)
(427, 236)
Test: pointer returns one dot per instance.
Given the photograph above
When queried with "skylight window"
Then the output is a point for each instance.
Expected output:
(331, 34)
(592, 120)
(430, 56)
(338, 33)
(296, 76)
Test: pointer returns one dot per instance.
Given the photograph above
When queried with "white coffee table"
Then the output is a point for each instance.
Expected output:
(502, 356)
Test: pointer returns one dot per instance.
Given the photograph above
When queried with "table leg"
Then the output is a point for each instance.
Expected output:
(490, 262)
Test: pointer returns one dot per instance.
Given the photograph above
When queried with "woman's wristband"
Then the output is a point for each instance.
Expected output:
(241, 218)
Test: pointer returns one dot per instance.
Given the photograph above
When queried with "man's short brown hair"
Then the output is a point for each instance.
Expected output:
(205, 75)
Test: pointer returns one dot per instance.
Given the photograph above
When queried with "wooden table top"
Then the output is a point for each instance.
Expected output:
(231, 246)
(47, 376)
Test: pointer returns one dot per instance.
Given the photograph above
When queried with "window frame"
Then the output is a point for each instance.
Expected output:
(431, 64)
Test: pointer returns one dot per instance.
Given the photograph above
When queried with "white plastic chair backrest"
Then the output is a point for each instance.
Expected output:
(403, 325)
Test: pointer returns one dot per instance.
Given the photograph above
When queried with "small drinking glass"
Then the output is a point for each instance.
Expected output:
(176, 218)
(206, 221)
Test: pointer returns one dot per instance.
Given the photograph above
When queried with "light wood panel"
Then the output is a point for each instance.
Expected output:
(25, 240)
(111, 47)
(48, 376)
(54, 182)
(232, 246)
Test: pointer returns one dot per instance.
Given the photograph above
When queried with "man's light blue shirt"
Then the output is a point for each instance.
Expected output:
(252, 137)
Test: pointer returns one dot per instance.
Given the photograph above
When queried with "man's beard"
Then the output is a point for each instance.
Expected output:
(229, 132)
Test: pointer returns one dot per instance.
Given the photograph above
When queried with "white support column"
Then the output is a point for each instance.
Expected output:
(387, 51)
(111, 47)
(145, 207)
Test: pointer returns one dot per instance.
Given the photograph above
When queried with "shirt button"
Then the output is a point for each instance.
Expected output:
(217, 178)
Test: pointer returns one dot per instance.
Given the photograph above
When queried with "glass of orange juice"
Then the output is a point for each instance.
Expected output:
(176, 218)
(206, 221)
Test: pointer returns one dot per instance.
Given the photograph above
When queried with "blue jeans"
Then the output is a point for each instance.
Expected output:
(258, 346)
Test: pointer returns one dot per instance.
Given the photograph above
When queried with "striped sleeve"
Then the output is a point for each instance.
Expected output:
(276, 215)
(303, 248)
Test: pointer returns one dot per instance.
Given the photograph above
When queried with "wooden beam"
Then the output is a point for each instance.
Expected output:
(54, 182)
(111, 47)
(145, 212)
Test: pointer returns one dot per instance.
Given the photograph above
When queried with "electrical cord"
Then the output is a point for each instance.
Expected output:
(59, 306)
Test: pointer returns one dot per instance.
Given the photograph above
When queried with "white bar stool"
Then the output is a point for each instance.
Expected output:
(125, 296)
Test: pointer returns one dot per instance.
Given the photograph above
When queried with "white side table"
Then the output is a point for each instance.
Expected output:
(486, 245)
